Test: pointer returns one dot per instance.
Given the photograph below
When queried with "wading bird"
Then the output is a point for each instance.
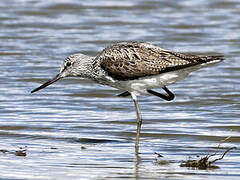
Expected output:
(135, 68)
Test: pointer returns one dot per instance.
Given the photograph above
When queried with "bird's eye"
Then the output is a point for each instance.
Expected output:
(68, 64)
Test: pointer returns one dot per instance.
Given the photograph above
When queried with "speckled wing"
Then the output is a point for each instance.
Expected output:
(125, 61)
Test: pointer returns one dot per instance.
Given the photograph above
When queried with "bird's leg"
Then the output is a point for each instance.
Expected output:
(168, 97)
(139, 122)
(124, 94)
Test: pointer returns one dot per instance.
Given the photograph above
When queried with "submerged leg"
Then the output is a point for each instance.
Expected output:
(124, 94)
(168, 97)
(139, 122)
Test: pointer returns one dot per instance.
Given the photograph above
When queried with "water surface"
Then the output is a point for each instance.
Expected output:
(76, 129)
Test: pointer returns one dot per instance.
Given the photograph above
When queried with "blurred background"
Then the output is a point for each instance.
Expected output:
(76, 129)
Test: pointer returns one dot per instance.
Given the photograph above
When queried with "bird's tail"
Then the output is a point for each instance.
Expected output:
(213, 59)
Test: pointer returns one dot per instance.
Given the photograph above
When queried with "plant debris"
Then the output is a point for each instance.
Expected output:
(83, 147)
(159, 160)
(53, 148)
(4, 150)
(20, 152)
(203, 162)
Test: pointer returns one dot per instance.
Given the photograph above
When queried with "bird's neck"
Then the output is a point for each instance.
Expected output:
(95, 72)
(88, 68)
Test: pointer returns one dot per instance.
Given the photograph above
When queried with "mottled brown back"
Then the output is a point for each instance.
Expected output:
(133, 60)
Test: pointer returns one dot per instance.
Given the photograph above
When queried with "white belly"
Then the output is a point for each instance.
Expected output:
(141, 85)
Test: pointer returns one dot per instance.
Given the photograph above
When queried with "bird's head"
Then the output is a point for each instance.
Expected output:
(73, 65)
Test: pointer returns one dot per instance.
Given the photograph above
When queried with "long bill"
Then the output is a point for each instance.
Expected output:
(56, 78)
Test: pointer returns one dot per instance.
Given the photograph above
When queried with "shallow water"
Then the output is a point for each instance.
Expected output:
(76, 129)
